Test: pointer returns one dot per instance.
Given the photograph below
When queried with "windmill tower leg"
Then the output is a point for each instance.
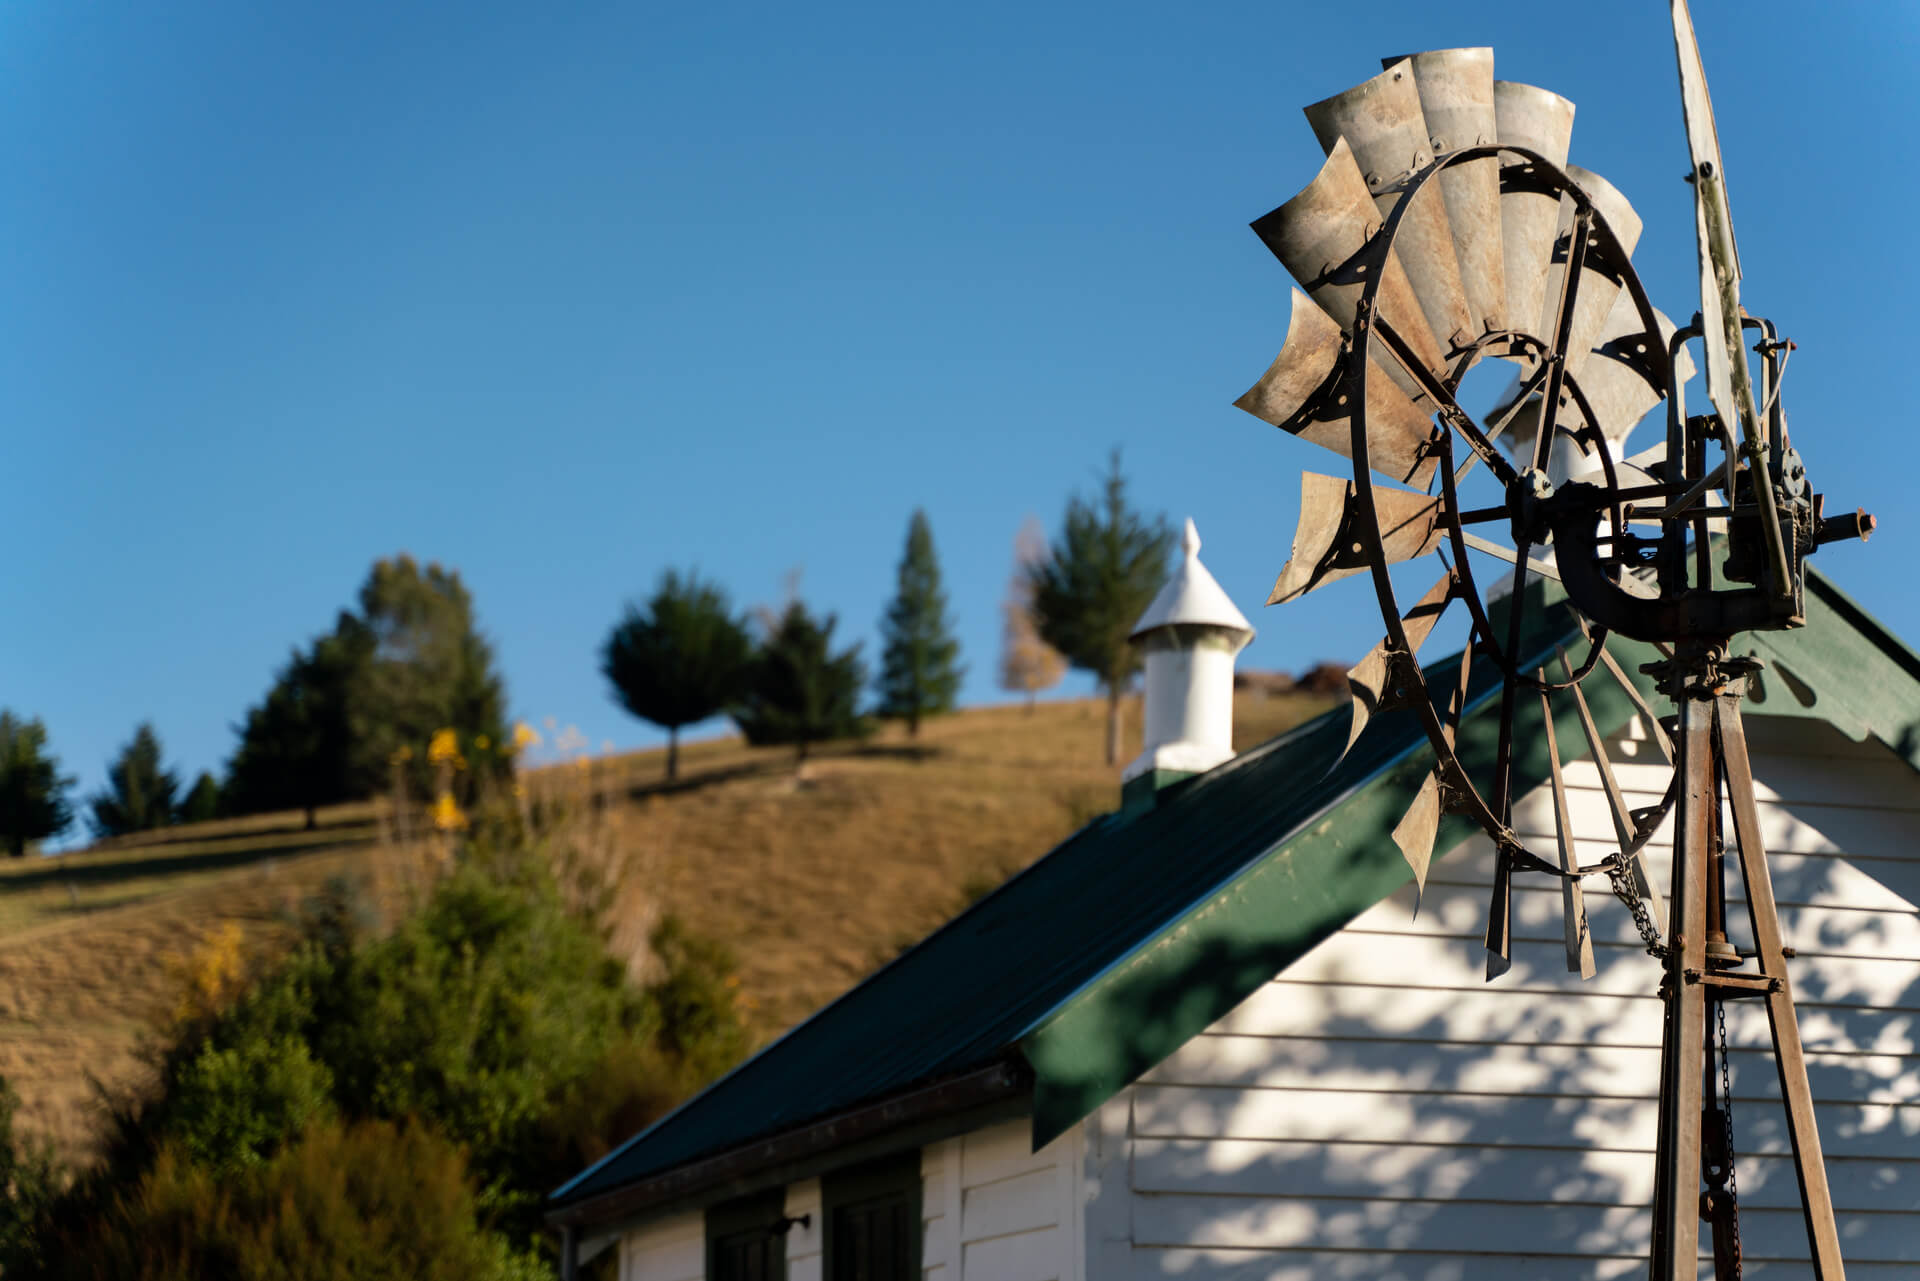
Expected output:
(1816, 1201)
(1693, 1140)
(1676, 1210)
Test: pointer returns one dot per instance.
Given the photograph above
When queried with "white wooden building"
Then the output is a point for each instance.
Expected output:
(1208, 1037)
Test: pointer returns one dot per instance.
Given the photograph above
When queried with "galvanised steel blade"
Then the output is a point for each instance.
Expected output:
(1542, 122)
(1317, 234)
(1713, 233)
(1729, 382)
(1456, 97)
(1331, 543)
(1381, 120)
(1369, 681)
(1299, 393)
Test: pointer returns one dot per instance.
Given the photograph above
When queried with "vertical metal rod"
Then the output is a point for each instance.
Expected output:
(1676, 1215)
(1573, 903)
(1816, 1201)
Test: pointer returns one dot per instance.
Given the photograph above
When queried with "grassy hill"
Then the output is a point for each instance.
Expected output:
(812, 880)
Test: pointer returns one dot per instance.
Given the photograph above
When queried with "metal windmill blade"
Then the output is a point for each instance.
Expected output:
(1382, 121)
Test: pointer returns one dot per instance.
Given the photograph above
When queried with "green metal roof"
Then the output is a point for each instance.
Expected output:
(1109, 953)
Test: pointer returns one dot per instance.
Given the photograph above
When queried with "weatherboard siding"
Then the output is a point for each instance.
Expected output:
(1380, 1111)
(670, 1249)
(998, 1211)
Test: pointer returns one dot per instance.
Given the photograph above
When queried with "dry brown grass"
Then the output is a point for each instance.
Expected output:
(812, 880)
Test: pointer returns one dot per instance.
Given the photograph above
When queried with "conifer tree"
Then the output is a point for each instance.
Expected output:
(1027, 663)
(1098, 578)
(380, 685)
(683, 659)
(203, 801)
(140, 791)
(918, 673)
(33, 802)
(798, 690)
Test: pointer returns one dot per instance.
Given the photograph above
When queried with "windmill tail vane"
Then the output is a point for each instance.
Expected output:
(1446, 228)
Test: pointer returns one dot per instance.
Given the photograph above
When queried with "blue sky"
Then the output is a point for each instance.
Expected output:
(563, 295)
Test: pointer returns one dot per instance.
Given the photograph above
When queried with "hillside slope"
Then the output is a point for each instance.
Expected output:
(812, 880)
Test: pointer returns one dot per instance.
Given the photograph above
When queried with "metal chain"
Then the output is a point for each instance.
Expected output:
(1623, 890)
(1726, 1105)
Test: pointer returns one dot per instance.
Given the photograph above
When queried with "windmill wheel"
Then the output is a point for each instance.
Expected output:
(1446, 228)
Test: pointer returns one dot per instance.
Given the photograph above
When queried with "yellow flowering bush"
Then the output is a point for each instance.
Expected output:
(444, 747)
(447, 815)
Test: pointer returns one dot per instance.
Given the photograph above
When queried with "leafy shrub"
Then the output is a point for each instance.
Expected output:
(492, 1018)
(352, 1203)
(233, 1107)
(29, 1179)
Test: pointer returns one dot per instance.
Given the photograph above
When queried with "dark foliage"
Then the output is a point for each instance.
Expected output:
(798, 690)
(1099, 576)
(919, 670)
(33, 792)
(203, 801)
(297, 748)
(29, 1181)
(409, 663)
(338, 1203)
(682, 659)
(140, 791)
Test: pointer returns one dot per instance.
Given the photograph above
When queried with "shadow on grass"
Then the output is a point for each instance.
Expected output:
(56, 871)
(708, 778)
(163, 837)
(893, 751)
(776, 764)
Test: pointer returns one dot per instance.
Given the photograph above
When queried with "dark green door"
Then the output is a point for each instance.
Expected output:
(756, 1254)
(872, 1217)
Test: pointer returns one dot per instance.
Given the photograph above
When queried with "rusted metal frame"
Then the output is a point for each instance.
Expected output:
(1676, 1212)
(1816, 1199)
(1776, 368)
(1573, 902)
(1461, 541)
(1625, 830)
(1696, 465)
(1562, 333)
(1633, 694)
(1435, 389)
(1368, 531)
(1493, 429)
(1367, 319)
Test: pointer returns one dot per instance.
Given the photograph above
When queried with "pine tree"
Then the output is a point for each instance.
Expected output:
(1098, 578)
(918, 674)
(140, 792)
(798, 690)
(33, 803)
(429, 669)
(1027, 663)
(203, 801)
(683, 659)
(298, 747)
(409, 664)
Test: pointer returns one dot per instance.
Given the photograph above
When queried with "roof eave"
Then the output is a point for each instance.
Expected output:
(723, 1173)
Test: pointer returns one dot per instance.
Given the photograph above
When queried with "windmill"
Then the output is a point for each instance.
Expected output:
(1445, 229)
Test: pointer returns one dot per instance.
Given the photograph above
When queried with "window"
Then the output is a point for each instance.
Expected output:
(872, 1215)
(746, 1239)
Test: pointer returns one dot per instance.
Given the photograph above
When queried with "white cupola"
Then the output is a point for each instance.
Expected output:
(1191, 635)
